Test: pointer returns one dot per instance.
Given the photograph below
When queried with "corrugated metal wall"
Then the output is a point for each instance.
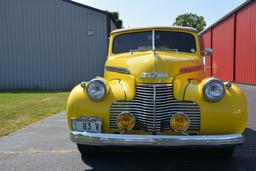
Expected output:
(233, 40)
(246, 45)
(44, 44)
(223, 45)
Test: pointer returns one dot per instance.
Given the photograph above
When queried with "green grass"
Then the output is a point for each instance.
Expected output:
(21, 108)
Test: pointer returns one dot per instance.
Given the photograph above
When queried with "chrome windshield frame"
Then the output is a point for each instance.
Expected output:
(153, 43)
(153, 40)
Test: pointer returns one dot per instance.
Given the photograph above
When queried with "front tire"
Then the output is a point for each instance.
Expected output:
(87, 149)
(229, 151)
(224, 152)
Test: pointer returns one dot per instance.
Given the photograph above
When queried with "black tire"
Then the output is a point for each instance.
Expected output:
(228, 151)
(224, 152)
(87, 149)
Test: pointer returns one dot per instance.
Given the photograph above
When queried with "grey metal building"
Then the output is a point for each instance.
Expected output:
(51, 44)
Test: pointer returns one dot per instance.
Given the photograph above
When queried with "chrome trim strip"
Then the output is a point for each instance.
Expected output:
(117, 69)
(100, 139)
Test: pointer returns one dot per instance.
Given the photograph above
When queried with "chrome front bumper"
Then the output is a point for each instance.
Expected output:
(99, 139)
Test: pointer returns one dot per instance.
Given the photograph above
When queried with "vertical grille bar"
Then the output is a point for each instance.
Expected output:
(153, 106)
(154, 110)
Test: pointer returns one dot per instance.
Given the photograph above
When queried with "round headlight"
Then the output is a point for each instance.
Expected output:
(214, 90)
(126, 121)
(96, 89)
(179, 122)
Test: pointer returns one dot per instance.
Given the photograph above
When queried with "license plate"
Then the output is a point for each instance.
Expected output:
(87, 126)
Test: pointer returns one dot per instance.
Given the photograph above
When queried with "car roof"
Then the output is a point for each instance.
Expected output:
(154, 27)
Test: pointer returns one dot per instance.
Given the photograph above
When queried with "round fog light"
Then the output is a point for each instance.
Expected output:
(179, 122)
(126, 121)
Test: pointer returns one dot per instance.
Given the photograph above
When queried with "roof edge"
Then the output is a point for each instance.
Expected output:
(226, 16)
(89, 7)
(155, 27)
(86, 6)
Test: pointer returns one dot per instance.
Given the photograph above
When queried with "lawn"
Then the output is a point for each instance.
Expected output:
(19, 109)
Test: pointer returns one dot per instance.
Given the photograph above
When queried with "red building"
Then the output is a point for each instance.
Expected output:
(233, 40)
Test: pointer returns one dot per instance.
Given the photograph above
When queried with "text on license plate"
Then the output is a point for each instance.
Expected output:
(88, 126)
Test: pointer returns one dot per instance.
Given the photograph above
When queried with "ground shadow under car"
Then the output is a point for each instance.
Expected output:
(181, 159)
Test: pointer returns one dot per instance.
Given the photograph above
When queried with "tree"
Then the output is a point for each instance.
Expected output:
(115, 17)
(190, 20)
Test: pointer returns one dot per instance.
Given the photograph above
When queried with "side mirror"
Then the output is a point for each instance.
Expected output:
(207, 52)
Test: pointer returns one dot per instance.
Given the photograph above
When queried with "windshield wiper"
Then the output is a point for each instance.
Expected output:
(138, 50)
(167, 49)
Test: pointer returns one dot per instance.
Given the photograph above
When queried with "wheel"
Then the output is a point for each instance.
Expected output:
(87, 149)
(224, 152)
(228, 151)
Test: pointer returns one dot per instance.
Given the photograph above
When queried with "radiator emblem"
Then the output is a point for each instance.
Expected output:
(154, 75)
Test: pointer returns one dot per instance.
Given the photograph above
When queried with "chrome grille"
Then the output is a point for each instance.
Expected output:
(153, 106)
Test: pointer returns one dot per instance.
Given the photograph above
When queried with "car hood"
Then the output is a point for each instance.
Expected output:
(165, 64)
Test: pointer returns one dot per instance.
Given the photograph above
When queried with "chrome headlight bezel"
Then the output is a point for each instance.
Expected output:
(103, 88)
(210, 96)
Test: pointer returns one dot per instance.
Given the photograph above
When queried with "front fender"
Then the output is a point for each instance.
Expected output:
(79, 104)
(228, 116)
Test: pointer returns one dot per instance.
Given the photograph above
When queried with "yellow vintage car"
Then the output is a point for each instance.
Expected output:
(155, 93)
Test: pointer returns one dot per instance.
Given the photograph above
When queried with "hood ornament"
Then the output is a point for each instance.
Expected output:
(154, 75)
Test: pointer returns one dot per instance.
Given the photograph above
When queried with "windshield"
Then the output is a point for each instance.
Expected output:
(132, 42)
(162, 40)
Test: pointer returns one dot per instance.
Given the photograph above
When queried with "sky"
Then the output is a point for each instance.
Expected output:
(138, 13)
